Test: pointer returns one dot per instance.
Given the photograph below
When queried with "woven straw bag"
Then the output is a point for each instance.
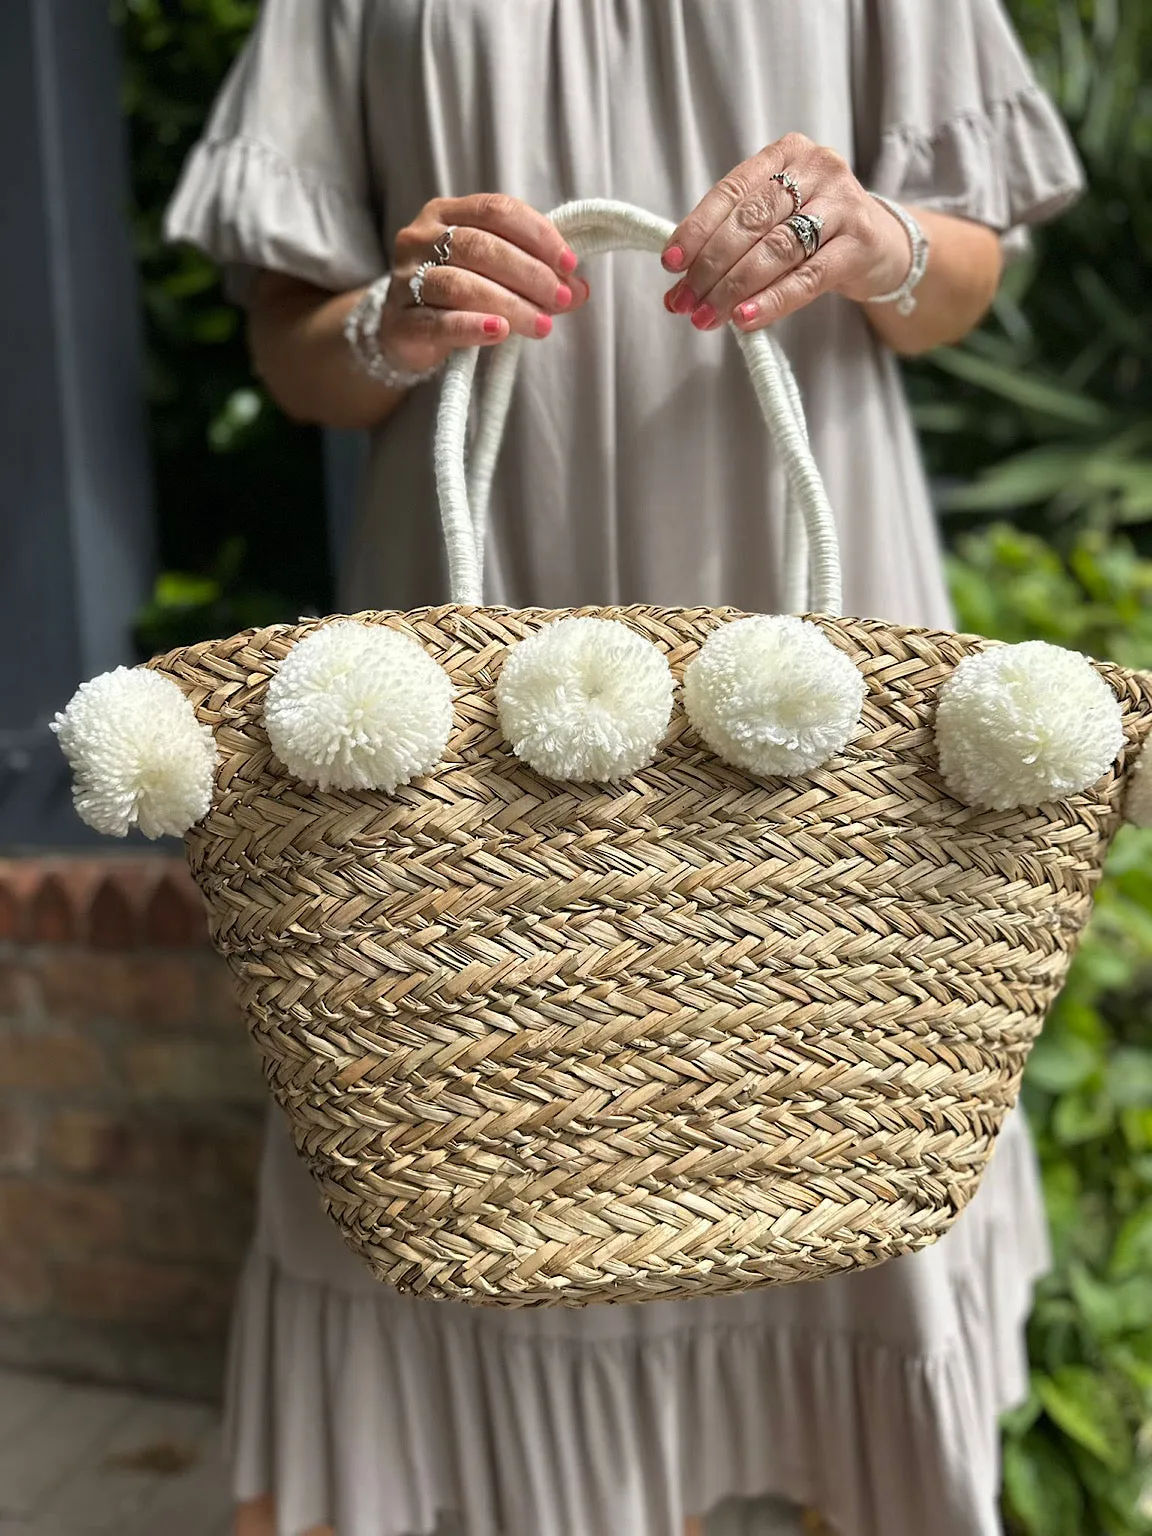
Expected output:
(694, 1031)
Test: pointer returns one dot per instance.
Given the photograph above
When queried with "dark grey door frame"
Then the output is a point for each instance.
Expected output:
(76, 527)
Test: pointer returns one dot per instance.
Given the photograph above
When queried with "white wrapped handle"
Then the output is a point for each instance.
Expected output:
(592, 227)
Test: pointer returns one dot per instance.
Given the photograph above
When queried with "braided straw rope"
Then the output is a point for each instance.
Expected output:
(691, 1033)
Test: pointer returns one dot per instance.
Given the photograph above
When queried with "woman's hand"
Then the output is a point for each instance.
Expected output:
(509, 270)
(740, 261)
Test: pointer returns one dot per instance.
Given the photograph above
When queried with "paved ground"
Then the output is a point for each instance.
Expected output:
(80, 1461)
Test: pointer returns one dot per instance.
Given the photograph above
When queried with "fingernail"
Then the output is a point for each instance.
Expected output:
(749, 311)
(685, 301)
(668, 304)
(703, 317)
(569, 261)
(673, 258)
(563, 296)
(543, 325)
(586, 285)
(492, 326)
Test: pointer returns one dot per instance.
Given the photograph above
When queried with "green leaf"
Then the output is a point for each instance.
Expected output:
(1132, 1253)
(1130, 1078)
(1042, 1492)
(1063, 1061)
(178, 589)
(1085, 1406)
(1113, 1308)
(1081, 1117)
(1040, 396)
(1017, 1421)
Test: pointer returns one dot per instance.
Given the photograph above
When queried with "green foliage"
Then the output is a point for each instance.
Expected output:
(1077, 1455)
(227, 464)
(1045, 414)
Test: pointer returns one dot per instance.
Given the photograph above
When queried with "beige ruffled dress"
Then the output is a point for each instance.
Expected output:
(635, 468)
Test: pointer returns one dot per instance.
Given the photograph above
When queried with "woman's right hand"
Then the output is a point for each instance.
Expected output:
(510, 270)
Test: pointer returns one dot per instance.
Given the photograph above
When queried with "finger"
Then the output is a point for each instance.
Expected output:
(514, 221)
(493, 257)
(778, 253)
(419, 337)
(456, 288)
(690, 236)
(752, 221)
(794, 291)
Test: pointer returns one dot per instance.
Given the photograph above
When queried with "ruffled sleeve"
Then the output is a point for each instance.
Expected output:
(281, 178)
(952, 117)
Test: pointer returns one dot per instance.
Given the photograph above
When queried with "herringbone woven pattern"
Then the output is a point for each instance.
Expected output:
(693, 1033)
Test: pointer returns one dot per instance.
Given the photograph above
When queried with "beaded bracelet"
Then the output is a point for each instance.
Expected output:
(362, 333)
(904, 297)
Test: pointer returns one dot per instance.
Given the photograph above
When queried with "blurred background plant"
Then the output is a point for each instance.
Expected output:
(1045, 413)
(239, 490)
(1078, 1455)
(1038, 434)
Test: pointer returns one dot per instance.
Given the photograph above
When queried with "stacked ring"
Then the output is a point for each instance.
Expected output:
(441, 255)
(807, 227)
(791, 186)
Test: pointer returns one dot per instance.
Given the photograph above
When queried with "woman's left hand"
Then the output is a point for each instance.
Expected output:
(738, 259)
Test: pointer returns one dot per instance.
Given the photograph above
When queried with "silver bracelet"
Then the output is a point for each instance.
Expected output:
(904, 297)
(362, 333)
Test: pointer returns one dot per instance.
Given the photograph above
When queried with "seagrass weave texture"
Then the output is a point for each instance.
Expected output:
(693, 1033)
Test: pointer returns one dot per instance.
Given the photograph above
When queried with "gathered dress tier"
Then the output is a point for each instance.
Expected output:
(635, 469)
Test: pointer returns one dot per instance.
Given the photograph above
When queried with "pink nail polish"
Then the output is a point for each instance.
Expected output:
(569, 261)
(703, 317)
(563, 296)
(673, 258)
(543, 325)
(492, 326)
(684, 302)
(749, 311)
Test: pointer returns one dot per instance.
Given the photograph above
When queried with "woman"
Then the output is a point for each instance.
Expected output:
(351, 136)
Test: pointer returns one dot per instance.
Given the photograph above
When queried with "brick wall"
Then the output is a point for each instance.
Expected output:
(130, 1113)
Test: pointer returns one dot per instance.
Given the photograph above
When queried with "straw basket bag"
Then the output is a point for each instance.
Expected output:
(637, 952)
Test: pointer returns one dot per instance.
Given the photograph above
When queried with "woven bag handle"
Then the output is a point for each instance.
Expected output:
(593, 227)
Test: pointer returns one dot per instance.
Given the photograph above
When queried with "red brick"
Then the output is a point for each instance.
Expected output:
(51, 1062)
(77, 984)
(18, 1139)
(181, 1299)
(175, 917)
(193, 1070)
(166, 988)
(139, 987)
(11, 914)
(25, 1289)
(218, 1002)
(202, 1155)
(180, 1225)
(112, 920)
(52, 919)
(19, 988)
(52, 1218)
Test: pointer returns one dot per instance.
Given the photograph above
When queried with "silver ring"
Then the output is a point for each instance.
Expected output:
(441, 256)
(807, 227)
(416, 281)
(792, 186)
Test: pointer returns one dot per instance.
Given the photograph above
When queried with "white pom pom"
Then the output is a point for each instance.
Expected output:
(358, 706)
(138, 753)
(1020, 725)
(585, 699)
(1138, 804)
(772, 695)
